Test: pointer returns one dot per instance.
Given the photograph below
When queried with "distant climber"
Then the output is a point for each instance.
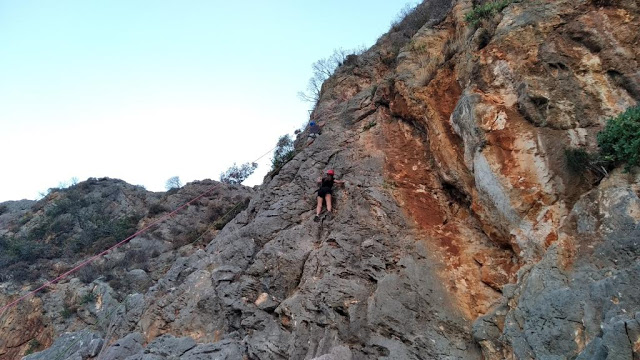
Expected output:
(314, 132)
(324, 192)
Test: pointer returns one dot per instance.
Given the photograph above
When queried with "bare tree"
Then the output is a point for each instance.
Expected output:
(173, 183)
(323, 69)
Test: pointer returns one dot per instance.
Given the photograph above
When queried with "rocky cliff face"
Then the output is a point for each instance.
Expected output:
(459, 234)
(40, 240)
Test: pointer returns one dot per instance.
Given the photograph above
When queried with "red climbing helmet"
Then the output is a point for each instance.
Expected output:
(330, 172)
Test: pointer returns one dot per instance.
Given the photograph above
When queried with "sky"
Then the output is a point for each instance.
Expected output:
(144, 90)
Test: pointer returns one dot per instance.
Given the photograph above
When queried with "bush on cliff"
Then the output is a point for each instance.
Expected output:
(283, 153)
(486, 10)
(620, 139)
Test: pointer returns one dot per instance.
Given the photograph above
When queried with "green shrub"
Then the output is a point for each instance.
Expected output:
(620, 139)
(67, 312)
(21, 272)
(368, 126)
(284, 152)
(486, 10)
(69, 225)
(156, 209)
(34, 345)
(25, 218)
(25, 249)
(88, 298)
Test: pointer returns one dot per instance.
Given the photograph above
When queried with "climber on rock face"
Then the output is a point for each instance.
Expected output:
(324, 192)
(314, 132)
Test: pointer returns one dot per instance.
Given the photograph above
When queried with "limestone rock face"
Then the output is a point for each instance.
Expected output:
(459, 234)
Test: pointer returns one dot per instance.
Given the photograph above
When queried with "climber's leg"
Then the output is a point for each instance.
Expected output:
(319, 207)
(328, 198)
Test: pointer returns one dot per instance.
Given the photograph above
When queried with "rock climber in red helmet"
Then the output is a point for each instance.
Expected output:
(324, 192)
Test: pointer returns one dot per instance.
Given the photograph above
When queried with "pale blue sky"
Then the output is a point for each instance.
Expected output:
(145, 90)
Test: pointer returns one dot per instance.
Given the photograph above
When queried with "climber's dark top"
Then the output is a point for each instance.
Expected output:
(325, 188)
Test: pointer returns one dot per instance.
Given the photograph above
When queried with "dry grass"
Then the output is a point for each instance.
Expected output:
(428, 69)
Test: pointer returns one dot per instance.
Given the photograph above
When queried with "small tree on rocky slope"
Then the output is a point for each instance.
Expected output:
(237, 174)
(173, 183)
(284, 152)
(323, 69)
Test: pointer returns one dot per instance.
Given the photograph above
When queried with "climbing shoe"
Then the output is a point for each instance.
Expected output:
(316, 218)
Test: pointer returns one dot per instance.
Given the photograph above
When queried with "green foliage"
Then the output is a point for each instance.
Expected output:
(25, 249)
(486, 10)
(73, 225)
(237, 174)
(156, 209)
(620, 139)
(34, 345)
(371, 124)
(67, 312)
(25, 218)
(104, 232)
(3, 209)
(284, 152)
(88, 298)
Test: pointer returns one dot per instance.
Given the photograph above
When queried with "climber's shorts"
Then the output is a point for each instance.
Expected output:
(324, 191)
